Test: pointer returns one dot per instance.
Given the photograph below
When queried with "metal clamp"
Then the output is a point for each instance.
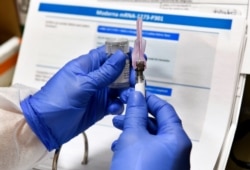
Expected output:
(85, 156)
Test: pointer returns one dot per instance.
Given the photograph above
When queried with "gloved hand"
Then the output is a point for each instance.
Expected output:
(138, 149)
(75, 98)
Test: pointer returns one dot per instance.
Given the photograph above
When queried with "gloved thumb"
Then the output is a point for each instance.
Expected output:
(136, 115)
(109, 71)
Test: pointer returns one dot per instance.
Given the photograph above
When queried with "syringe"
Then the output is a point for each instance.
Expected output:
(138, 60)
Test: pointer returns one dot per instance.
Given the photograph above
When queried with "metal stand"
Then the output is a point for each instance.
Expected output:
(85, 156)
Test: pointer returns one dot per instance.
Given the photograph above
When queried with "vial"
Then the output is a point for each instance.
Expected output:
(112, 45)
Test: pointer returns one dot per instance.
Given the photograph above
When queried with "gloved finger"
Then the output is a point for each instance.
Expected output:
(152, 126)
(115, 107)
(113, 146)
(91, 61)
(165, 114)
(118, 122)
(108, 72)
(130, 53)
(169, 124)
(124, 94)
(132, 77)
(136, 115)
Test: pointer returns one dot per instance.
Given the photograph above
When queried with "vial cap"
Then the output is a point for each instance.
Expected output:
(117, 43)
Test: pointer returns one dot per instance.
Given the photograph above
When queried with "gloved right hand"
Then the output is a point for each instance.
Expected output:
(138, 149)
(75, 98)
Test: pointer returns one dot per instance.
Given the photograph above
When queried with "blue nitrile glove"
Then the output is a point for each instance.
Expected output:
(75, 98)
(138, 149)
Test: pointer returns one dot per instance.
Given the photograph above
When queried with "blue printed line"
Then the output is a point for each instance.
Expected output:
(132, 32)
(206, 22)
(159, 90)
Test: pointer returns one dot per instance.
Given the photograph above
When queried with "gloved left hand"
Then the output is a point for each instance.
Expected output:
(75, 98)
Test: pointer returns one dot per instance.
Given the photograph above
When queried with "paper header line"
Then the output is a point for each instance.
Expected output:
(217, 23)
(132, 32)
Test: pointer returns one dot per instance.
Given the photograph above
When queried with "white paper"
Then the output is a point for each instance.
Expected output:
(246, 61)
(224, 7)
(228, 7)
(193, 62)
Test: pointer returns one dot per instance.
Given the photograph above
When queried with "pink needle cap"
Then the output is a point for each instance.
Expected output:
(139, 45)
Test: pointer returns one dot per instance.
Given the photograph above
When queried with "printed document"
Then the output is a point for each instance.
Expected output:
(224, 7)
(193, 62)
